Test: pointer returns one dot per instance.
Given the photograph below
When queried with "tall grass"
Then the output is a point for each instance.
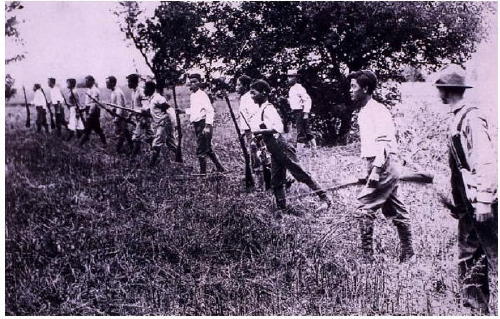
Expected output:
(89, 234)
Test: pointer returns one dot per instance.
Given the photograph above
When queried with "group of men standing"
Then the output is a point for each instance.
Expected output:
(472, 158)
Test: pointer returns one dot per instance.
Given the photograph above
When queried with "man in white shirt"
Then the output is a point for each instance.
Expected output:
(93, 121)
(41, 108)
(75, 113)
(300, 103)
(57, 100)
(267, 124)
(201, 115)
(378, 149)
(142, 132)
(121, 127)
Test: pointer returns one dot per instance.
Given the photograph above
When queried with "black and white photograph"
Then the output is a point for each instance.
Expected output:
(250, 158)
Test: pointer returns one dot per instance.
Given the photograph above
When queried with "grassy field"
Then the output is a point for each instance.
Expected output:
(89, 234)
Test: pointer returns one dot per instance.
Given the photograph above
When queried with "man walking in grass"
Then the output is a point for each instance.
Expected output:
(57, 100)
(300, 103)
(75, 124)
(157, 108)
(41, 108)
(121, 128)
(201, 115)
(473, 166)
(93, 121)
(267, 124)
(378, 150)
(142, 131)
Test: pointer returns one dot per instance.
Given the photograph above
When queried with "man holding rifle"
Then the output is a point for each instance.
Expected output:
(93, 122)
(268, 124)
(142, 131)
(41, 109)
(474, 189)
(121, 127)
(378, 150)
(75, 113)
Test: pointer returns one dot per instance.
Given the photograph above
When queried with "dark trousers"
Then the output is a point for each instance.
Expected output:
(303, 127)
(123, 133)
(283, 158)
(92, 124)
(41, 119)
(477, 246)
(60, 121)
(204, 146)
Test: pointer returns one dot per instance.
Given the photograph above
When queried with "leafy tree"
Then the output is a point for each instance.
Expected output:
(12, 32)
(327, 40)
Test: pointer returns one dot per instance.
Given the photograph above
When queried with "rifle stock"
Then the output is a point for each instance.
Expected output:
(178, 151)
(248, 170)
(28, 116)
(52, 124)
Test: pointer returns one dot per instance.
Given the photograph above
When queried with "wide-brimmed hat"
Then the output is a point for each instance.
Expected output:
(452, 76)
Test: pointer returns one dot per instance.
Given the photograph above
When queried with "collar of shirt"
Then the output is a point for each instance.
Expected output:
(456, 108)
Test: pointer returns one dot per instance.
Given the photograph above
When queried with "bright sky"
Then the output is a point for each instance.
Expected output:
(71, 39)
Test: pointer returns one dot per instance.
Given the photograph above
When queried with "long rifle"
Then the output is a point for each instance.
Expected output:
(249, 181)
(417, 177)
(126, 109)
(52, 124)
(111, 112)
(178, 151)
(77, 108)
(28, 116)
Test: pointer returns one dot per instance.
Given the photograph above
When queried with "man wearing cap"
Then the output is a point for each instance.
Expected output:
(121, 128)
(267, 124)
(159, 118)
(300, 103)
(75, 119)
(201, 115)
(41, 108)
(472, 161)
(93, 121)
(378, 150)
(57, 100)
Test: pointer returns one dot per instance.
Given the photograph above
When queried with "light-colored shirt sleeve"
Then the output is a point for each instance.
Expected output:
(480, 156)
(299, 99)
(269, 116)
(201, 108)
(248, 108)
(39, 99)
(55, 96)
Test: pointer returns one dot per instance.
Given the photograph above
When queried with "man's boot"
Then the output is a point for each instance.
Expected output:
(326, 202)
(203, 165)
(154, 157)
(366, 231)
(218, 165)
(404, 232)
(280, 197)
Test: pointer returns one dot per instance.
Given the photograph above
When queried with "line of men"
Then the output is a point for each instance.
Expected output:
(472, 160)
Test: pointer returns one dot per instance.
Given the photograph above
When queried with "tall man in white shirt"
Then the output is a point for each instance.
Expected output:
(121, 128)
(300, 103)
(201, 115)
(41, 108)
(378, 150)
(93, 121)
(57, 100)
(142, 131)
(267, 124)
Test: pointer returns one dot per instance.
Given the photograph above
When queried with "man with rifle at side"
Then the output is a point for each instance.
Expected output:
(76, 123)
(474, 188)
(41, 109)
(93, 121)
(121, 127)
(268, 124)
(57, 100)
(378, 149)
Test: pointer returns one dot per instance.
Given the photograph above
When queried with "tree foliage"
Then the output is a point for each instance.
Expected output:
(12, 32)
(325, 40)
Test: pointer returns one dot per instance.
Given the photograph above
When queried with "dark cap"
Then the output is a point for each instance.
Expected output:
(195, 76)
(90, 77)
(111, 79)
(52, 80)
(133, 76)
(71, 81)
(261, 86)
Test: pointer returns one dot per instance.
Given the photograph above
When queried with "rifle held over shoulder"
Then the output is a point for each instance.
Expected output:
(52, 124)
(28, 116)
